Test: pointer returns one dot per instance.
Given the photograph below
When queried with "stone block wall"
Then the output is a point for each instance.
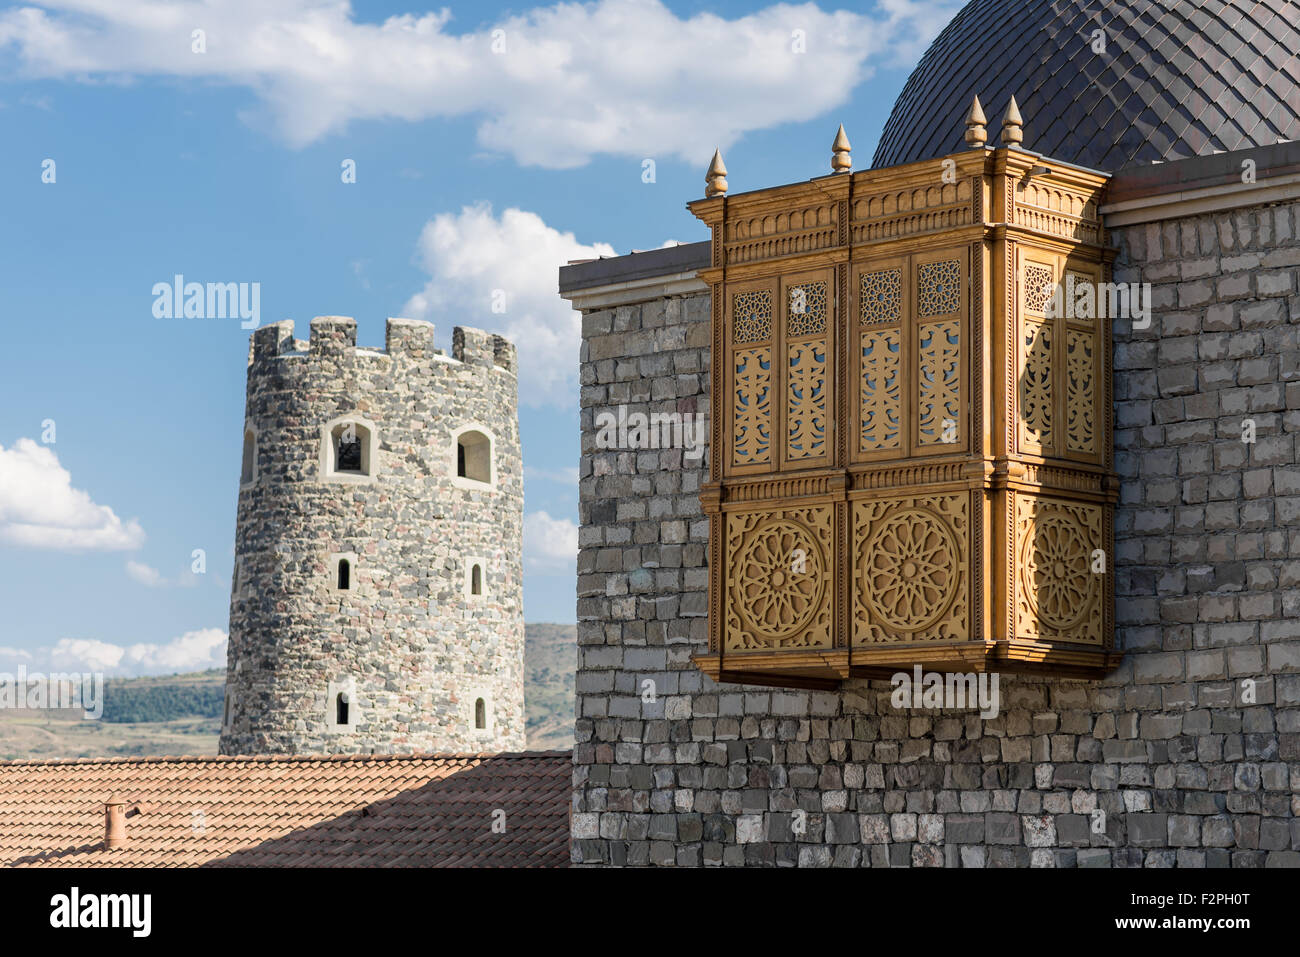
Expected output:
(1187, 755)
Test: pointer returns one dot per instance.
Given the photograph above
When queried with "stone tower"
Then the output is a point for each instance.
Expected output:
(376, 602)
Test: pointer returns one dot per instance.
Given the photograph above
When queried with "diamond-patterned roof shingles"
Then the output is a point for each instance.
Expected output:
(1154, 76)
(342, 811)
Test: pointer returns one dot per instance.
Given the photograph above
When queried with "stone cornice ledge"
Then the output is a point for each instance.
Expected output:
(1209, 199)
(636, 290)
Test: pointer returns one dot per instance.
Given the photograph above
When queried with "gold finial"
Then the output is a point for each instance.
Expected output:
(1012, 132)
(715, 180)
(976, 134)
(841, 162)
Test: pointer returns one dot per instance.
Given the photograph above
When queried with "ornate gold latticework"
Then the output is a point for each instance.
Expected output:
(919, 465)
(938, 377)
(881, 295)
(752, 426)
(881, 391)
(1037, 289)
(939, 291)
(806, 432)
(1080, 392)
(1036, 385)
(807, 310)
(752, 315)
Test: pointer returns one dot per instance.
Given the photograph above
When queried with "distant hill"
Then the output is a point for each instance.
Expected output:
(181, 714)
(550, 662)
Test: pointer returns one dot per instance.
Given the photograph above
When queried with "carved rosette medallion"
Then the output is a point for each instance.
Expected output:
(913, 569)
(779, 577)
(1056, 588)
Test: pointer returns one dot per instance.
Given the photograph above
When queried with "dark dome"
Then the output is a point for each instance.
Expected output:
(1177, 79)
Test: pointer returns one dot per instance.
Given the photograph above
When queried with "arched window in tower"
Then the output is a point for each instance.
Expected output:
(248, 470)
(344, 575)
(480, 715)
(474, 456)
(341, 708)
(476, 580)
(348, 450)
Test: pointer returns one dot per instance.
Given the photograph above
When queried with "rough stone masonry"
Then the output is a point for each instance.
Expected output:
(1187, 755)
(407, 641)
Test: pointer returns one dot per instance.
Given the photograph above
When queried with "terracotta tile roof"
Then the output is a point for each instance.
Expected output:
(300, 811)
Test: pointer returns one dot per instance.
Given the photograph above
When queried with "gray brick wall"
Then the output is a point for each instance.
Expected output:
(1161, 764)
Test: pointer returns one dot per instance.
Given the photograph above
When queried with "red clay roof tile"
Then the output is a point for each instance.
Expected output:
(291, 811)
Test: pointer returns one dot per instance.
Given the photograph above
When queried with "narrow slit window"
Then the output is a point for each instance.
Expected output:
(248, 470)
(476, 580)
(345, 575)
(341, 708)
(480, 715)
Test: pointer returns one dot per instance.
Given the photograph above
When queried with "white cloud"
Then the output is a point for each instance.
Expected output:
(564, 82)
(192, 651)
(472, 254)
(144, 574)
(39, 508)
(85, 654)
(550, 544)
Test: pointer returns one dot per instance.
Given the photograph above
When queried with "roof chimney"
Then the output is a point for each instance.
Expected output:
(114, 822)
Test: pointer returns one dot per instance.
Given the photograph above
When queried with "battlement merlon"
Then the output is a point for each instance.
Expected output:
(413, 337)
(335, 336)
(271, 341)
(476, 347)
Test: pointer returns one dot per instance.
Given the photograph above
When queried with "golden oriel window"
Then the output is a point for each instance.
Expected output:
(912, 436)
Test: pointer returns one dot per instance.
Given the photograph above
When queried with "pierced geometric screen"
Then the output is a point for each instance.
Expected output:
(807, 310)
(751, 316)
(938, 288)
(1037, 288)
(880, 296)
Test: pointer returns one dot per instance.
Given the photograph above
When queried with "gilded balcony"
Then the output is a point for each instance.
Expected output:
(911, 442)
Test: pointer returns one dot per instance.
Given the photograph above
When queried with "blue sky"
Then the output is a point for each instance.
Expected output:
(476, 170)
